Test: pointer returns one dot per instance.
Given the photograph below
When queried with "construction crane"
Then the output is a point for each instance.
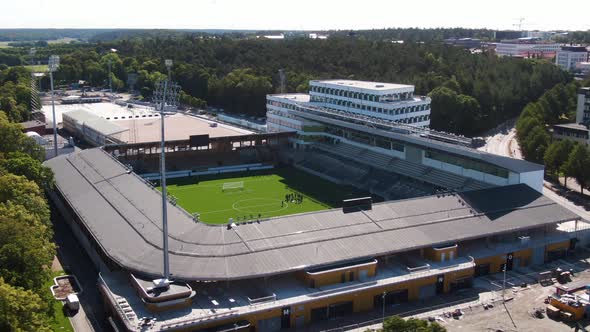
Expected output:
(519, 24)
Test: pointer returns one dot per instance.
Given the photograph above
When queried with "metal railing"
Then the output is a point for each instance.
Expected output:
(129, 324)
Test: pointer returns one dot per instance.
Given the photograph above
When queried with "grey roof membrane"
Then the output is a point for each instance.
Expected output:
(123, 215)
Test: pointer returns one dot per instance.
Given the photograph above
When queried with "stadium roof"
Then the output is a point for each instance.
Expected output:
(95, 122)
(122, 213)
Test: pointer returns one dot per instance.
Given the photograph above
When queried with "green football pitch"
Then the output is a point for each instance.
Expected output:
(262, 195)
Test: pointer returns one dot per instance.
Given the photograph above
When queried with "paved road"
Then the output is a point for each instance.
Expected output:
(502, 141)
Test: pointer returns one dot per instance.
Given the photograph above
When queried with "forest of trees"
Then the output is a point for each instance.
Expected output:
(561, 158)
(471, 93)
(26, 244)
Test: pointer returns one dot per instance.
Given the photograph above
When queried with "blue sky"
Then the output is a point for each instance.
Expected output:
(300, 14)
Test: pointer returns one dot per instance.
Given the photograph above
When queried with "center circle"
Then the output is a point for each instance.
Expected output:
(259, 205)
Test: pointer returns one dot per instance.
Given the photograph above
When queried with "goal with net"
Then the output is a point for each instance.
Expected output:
(239, 185)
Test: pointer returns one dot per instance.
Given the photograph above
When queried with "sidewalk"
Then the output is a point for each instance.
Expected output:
(573, 185)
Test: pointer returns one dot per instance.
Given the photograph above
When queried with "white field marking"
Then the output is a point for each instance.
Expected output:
(247, 207)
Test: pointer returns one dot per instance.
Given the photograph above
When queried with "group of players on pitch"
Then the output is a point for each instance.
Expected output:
(296, 198)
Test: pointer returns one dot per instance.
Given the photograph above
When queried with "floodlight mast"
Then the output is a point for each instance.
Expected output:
(166, 92)
(53, 64)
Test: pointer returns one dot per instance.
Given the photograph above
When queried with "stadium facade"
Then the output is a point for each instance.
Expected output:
(291, 271)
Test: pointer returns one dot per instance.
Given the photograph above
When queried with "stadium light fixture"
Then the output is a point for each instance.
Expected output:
(53, 65)
(168, 64)
(165, 94)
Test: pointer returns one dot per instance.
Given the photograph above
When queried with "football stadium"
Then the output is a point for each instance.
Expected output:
(257, 194)
(349, 203)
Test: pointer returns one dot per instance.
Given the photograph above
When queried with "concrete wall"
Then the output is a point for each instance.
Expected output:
(436, 254)
(331, 277)
(533, 179)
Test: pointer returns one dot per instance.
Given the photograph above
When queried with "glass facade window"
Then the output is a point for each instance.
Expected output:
(467, 163)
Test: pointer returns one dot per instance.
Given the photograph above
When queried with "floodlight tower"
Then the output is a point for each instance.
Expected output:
(168, 63)
(282, 79)
(32, 53)
(52, 66)
(166, 93)
(110, 62)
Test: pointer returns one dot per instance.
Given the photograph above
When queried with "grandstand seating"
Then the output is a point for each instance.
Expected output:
(334, 167)
(400, 166)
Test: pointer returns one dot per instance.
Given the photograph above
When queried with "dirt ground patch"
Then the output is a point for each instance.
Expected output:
(516, 315)
(65, 287)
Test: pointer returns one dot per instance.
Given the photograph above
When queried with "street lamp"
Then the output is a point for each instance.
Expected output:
(52, 66)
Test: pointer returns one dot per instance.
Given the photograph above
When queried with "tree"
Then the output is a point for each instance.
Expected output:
(20, 191)
(454, 112)
(242, 91)
(576, 166)
(556, 155)
(13, 140)
(535, 143)
(398, 324)
(25, 248)
(21, 310)
(19, 163)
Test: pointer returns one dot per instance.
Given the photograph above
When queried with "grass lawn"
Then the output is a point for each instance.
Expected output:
(38, 68)
(263, 193)
(59, 322)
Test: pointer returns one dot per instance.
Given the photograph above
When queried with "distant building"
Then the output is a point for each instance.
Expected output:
(81, 100)
(388, 101)
(577, 131)
(317, 36)
(583, 68)
(573, 131)
(34, 126)
(274, 37)
(467, 43)
(583, 109)
(569, 56)
(527, 47)
(64, 145)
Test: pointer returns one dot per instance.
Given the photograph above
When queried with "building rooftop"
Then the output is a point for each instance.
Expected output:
(104, 110)
(573, 126)
(95, 122)
(178, 126)
(366, 84)
(123, 215)
(32, 124)
(297, 97)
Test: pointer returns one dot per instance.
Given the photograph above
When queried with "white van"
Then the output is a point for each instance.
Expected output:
(72, 302)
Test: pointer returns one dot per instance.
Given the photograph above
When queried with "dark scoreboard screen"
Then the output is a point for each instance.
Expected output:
(199, 140)
(356, 204)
